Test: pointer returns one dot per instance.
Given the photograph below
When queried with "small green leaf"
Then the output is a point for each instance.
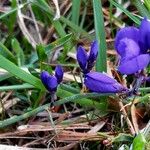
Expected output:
(19, 52)
(139, 142)
(41, 55)
(13, 16)
(147, 4)
(6, 53)
(123, 138)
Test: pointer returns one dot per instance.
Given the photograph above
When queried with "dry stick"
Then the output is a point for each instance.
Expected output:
(134, 118)
(57, 14)
(36, 25)
(130, 126)
(23, 28)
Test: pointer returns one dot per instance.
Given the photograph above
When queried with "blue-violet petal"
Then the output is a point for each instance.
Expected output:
(134, 65)
(145, 35)
(128, 48)
(44, 75)
(127, 32)
(102, 83)
(59, 73)
(93, 52)
(52, 83)
(82, 57)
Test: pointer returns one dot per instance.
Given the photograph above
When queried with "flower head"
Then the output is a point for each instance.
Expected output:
(86, 62)
(132, 44)
(50, 81)
(59, 73)
(82, 57)
(102, 83)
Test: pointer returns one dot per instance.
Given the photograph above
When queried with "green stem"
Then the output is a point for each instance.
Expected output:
(16, 87)
(80, 96)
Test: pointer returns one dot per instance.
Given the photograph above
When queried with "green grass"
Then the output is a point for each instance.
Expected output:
(101, 63)
(81, 22)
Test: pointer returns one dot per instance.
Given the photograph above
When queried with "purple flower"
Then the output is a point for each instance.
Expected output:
(50, 81)
(86, 62)
(102, 83)
(59, 73)
(133, 44)
(82, 57)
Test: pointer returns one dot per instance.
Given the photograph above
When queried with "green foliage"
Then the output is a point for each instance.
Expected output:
(19, 52)
(21, 63)
(6, 53)
(139, 142)
(42, 57)
(129, 14)
(123, 138)
(76, 11)
(147, 4)
(101, 64)
(142, 9)
(18, 72)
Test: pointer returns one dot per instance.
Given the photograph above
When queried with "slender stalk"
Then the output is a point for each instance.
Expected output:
(130, 126)
(16, 87)
(134, 118)
(80, 96)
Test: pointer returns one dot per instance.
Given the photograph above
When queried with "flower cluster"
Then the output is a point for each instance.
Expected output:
(95, 81)
(133, 45)
(86, 62)
(51, 82)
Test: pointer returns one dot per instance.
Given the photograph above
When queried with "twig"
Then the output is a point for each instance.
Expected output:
(134, 118)
(130, 126)
(57, 14)
(36, 25)
(24, 29)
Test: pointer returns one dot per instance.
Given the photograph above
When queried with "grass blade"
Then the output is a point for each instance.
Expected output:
(16, 71)
(13, 10)
(76, 11)
(134, 18)
(19, 52)
(142, 9)
(101, 64)
(16, 87)
(43, 5)
(6, 53)
(80, 96)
